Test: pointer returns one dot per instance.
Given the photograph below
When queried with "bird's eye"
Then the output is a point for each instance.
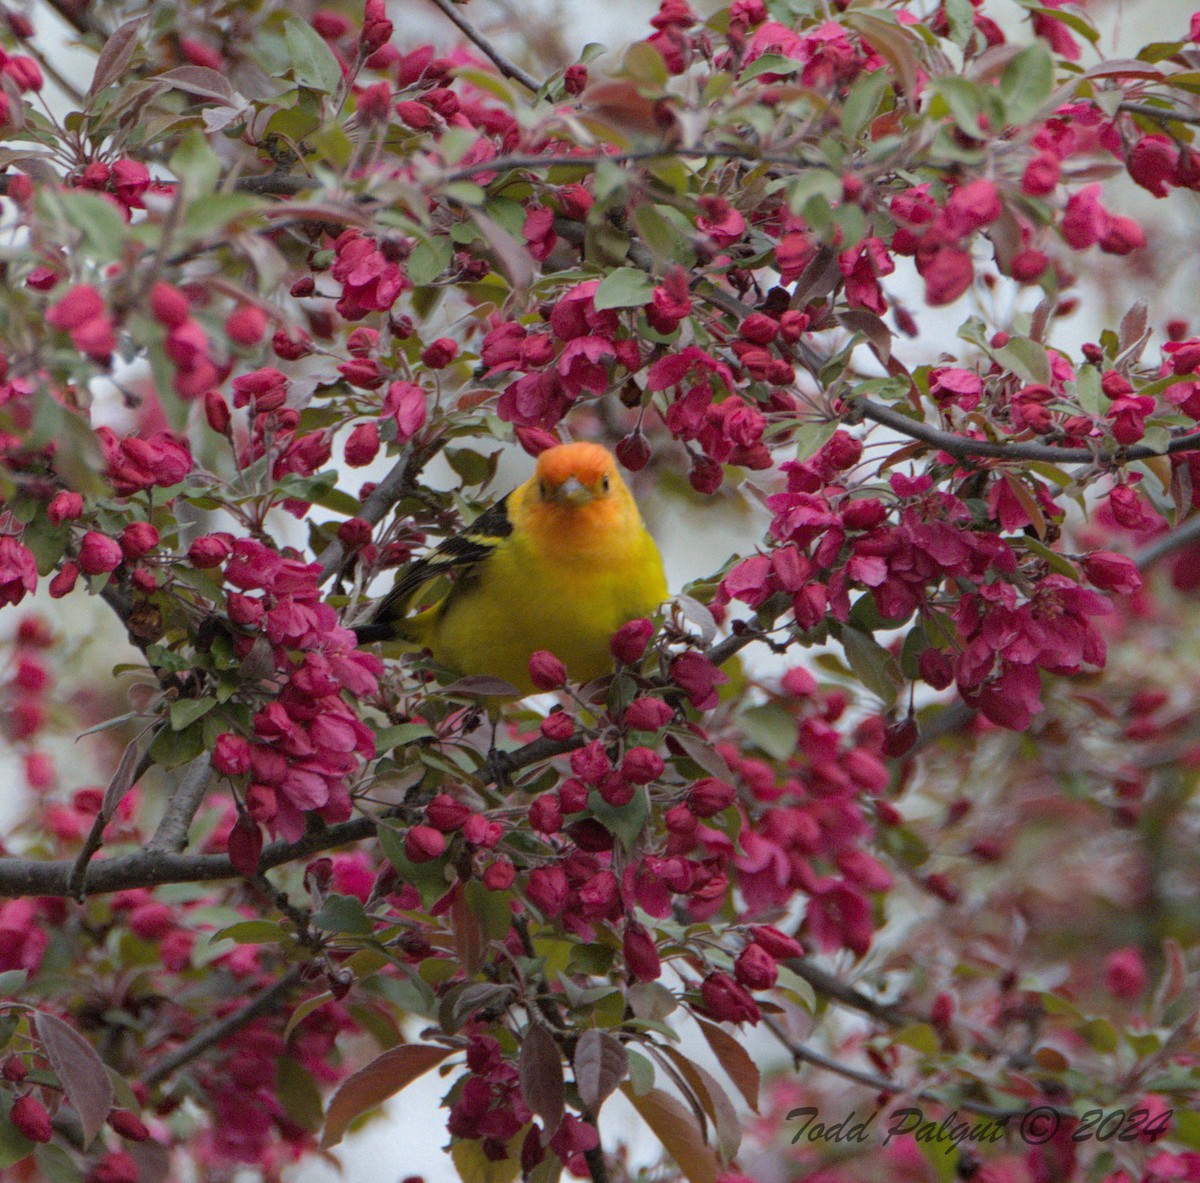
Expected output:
(604, 484)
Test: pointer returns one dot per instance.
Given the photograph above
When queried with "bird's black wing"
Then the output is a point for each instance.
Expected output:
(456, 556)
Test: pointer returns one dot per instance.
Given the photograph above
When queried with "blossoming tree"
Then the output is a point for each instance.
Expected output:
(944, 859)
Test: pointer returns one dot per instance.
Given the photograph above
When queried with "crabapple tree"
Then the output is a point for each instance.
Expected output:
(893, 811)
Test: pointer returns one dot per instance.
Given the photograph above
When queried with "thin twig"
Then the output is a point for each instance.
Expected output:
(385, 494)
(588, 160)
(1161, 114)
(172, 831)
(962, 447)
(833, 987)
(806, 1055)
(1159, 548)
(203, 1040)
(507, 68)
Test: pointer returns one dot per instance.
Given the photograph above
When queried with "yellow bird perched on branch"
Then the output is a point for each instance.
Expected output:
(559, 564)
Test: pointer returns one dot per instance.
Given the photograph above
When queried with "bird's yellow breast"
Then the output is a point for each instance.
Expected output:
(565, 580)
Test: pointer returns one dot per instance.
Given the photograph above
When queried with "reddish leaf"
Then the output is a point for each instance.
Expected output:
(674, 1127)
(245, 846)
(735, 1060)
(600, 1065)
(542, 1084)
(80, 1071)
(115, 55)
(383, 1077)
(200, 80)
(468, 936)
(122, 780)
(714, 1100)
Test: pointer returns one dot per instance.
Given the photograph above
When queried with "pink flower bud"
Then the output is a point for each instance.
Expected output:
(547, 889)
(138, 539)
(698, 678)
(440, 354)
(231, 755)
(647, 714)
(726, 1001)
(641, 766)
(363, 445)
(446, 814)
(499, 875)
(545, 814)
(209, 550)
(128, 1125)
(575, 79)
(573, 794)
(151, 921)
(216, 411)
(755, 968)
(546, 672)
(64, 582)
(99, 554)
(633, 451)
(246, 325)
(709, 796)
(1112, 572)
(937, 670)
(629, 642)
(65, 507)
(29, 1115)
(1125, 974)
(168, 305)
(590, 763)
(616, 789)
(14, 1069)
(557, 725)
(778, 944)
(422, 844)
(641, 956)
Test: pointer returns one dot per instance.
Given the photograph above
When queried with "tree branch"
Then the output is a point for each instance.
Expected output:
(1167, 544)
(261, 1004)
(805, 1055)
(171, 834)
(398, 481)
(1160, 114)
(507, 68)
(962, 447)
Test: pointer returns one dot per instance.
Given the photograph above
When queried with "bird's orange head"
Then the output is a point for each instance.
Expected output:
(576, 474)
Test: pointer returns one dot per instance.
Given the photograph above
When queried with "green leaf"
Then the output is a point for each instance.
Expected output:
(771, 63)
(56, 1165)
(11, 981)
(103, 227)
(1027, 82)
(1025, 358)
(640, 1072)
(195, 164)
(172, 748)
(872, 664)
(344, 914)
(185, 711)
(313, 63)
(626, 287)
(967, 101)
(1088, 391)
(771, 728)
(626, 821)
(429, 260)
(960, 17)
(863, 100)
(252, 932)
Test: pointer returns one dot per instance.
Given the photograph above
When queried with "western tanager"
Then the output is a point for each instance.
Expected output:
(559, 564)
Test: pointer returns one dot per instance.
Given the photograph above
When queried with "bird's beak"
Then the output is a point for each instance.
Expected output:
(573, 492)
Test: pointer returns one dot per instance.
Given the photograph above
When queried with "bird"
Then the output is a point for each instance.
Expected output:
(558, 564)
